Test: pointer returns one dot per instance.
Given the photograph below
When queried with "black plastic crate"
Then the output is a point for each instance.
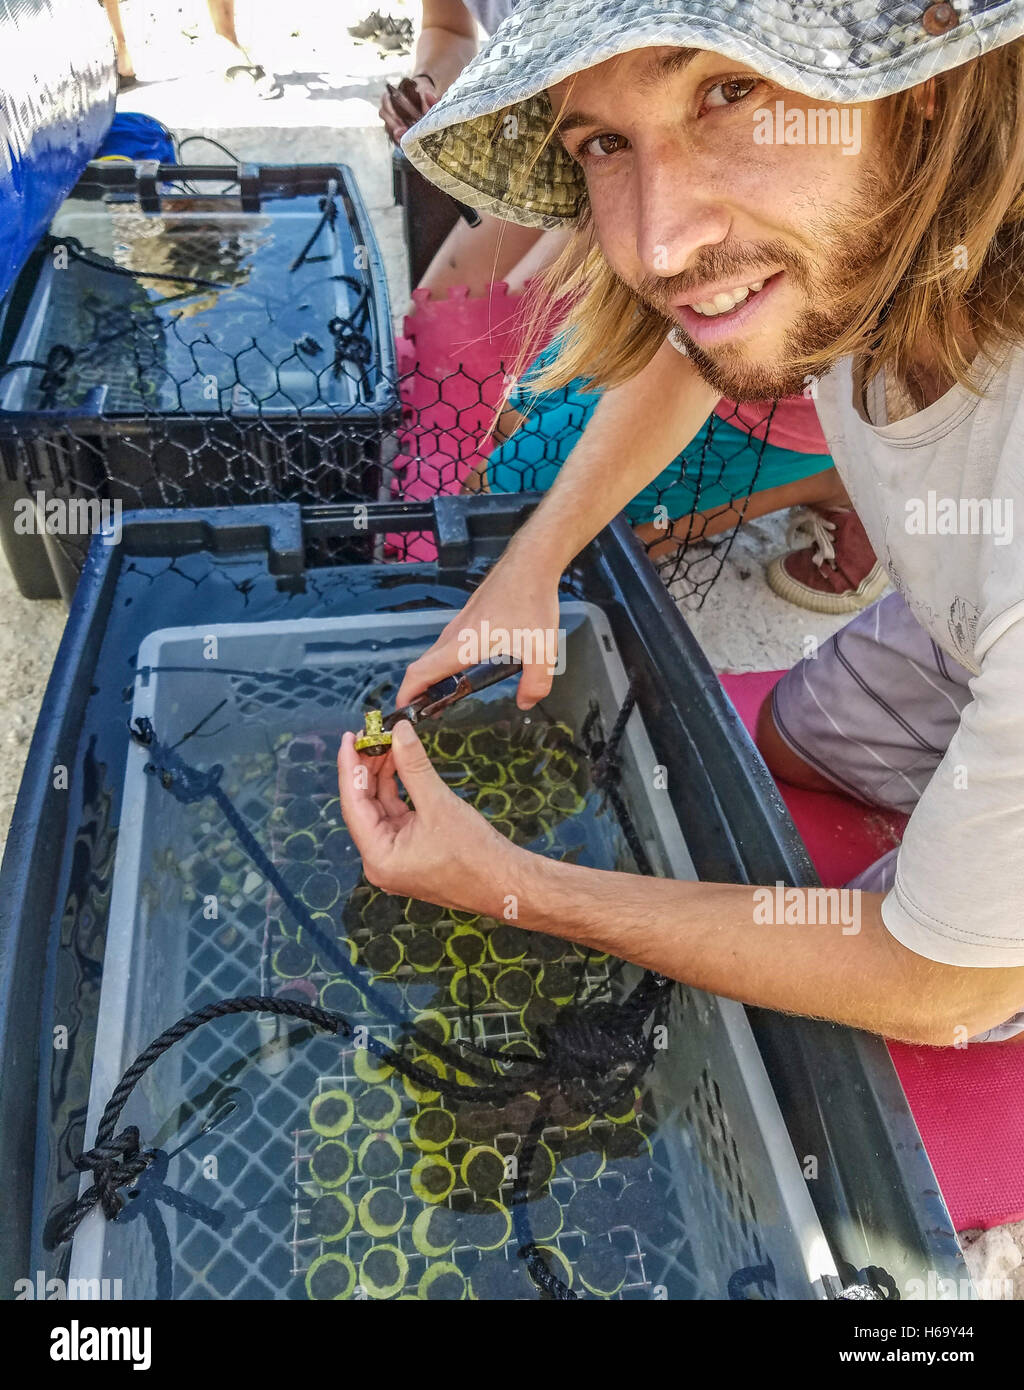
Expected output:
(874, 1197)
(254, 362)
(428, 214)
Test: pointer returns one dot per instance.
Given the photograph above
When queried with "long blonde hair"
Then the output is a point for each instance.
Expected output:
(955, 258)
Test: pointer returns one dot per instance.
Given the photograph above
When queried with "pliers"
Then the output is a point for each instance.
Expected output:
(375, 737)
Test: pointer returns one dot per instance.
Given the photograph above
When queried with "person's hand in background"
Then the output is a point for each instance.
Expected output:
(402, 107)
(446, 43)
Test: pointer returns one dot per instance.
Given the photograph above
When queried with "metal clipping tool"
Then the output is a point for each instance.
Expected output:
(375, 737)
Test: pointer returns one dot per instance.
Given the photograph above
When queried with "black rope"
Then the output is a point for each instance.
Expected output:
(606, 772)
(328, 218)
(207, 140)
(351, 343)
(743, 1279)
(59, 361)
(117, 1160)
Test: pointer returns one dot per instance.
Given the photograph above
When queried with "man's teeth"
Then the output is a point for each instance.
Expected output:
(723, 303)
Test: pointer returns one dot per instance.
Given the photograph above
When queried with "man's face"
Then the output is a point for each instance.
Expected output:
(702, 189)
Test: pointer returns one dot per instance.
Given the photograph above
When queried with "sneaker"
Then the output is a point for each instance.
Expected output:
(835, 571)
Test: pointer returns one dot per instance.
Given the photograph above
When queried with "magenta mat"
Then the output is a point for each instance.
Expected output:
(452, 359)
(968, 1104)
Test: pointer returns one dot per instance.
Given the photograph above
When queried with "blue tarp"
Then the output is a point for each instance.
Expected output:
(57, 91)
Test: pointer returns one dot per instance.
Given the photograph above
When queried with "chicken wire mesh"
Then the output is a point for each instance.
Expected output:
(174, 346)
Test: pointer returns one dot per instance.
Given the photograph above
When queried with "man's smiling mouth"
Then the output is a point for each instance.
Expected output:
(711, 303)
(729, 312)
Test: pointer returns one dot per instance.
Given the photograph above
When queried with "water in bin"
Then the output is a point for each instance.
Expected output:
(302, 1165)
(251, 335)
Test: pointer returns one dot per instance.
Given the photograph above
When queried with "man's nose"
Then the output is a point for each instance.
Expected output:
(677, 213)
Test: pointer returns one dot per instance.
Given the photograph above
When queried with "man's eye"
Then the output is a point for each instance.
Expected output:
(730, 92)
(600, 145)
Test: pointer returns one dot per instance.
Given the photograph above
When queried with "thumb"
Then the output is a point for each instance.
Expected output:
(418, 774)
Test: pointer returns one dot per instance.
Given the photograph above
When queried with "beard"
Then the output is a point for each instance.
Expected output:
(851, 240)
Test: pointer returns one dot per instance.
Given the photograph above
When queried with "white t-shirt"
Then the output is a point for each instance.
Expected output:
(490, 13)
(940, 494)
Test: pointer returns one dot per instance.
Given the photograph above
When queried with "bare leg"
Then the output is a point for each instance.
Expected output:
(222, 15)
(540, 255)
(477, 256)
(782, 761)
(820, 490)
(124, 62)
(508, 422)
(476, 480)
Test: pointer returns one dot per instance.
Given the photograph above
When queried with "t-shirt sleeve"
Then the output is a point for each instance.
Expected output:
(958, 896)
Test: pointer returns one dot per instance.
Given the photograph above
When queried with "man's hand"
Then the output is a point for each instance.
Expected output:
(516, 597)
(439, 849)
(636, 430)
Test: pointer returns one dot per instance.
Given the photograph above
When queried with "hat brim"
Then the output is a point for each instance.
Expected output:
(483, 142)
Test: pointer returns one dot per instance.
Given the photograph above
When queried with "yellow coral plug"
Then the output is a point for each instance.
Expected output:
(374, 739)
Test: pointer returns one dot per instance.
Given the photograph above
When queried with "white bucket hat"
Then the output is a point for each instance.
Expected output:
(832, 50)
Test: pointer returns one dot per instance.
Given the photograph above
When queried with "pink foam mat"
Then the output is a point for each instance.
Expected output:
(452, 360)
(968, 1103)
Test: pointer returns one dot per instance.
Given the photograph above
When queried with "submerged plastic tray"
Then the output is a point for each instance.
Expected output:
(735, 1198)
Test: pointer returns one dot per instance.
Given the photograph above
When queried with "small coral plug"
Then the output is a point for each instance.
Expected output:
(373, 739)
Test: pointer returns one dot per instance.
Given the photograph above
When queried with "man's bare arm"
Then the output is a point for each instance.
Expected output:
(713, 936)
(635, 431)
(729, 939)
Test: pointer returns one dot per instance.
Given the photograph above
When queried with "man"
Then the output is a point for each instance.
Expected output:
(893, 276)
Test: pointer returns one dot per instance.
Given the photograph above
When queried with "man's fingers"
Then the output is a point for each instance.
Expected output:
(417, 772)
(393, 122)
(433, 665)
(387, 793)
(534, 685)
(358, 793)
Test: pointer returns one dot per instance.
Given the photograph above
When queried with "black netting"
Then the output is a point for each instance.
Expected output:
(210, 354)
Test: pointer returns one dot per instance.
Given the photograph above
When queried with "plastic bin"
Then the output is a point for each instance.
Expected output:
(428, 214)
(260, 368)
(736, 1195)
(745, 1096)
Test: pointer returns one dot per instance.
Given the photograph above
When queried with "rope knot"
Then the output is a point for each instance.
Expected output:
(114, 1164)
(349, 343)
(590, 1042)
(184, 782)
(607, 769)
